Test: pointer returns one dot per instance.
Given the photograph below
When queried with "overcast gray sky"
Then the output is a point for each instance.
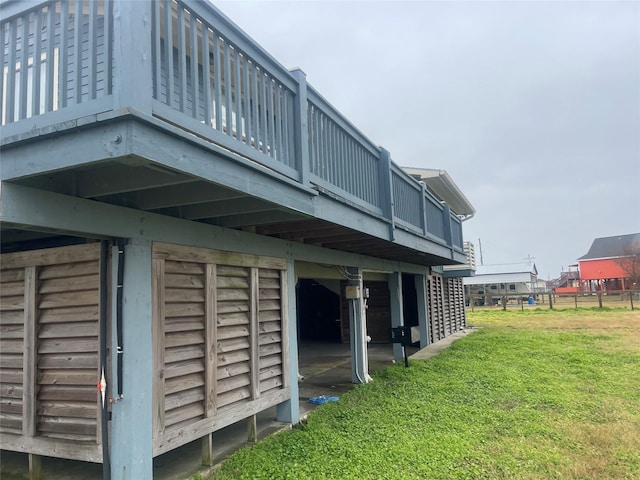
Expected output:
(533, 107)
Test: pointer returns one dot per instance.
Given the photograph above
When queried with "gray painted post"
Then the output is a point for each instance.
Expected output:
(289, 411)
(132, 58)
(358, 329)
(131, 425)
(386, 190)
(397, 312)
(448, 238)
(423, 209)
(301, 129)
(423, 312)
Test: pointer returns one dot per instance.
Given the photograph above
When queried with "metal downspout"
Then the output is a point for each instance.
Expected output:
(104, 352)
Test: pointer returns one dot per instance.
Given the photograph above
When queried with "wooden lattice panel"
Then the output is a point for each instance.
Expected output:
(68, 350)
(233, 325)
(219, 339)
(11, 349)
(184, 342)
(270, 330)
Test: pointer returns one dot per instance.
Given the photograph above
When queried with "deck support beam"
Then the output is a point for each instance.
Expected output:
(131, 432)
(423, 311)
(289, 411)
(358, 328)
(207, 450)
(35, 467)
(397, 312)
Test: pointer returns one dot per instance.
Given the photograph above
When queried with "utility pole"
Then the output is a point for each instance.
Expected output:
(480, 247)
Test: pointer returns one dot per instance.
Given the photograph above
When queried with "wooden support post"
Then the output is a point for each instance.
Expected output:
(132, 421)
(551, 301)
(207, 450)
(289, 411)
(575, 298)
(504, 302)
(252, 432)
(423, 310)
(357, 329)
(396, 307)
(35, 467)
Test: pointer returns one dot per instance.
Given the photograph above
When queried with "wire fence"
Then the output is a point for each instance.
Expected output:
(551, 300)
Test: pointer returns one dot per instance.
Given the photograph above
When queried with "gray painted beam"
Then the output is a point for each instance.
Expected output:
(358, 329)
(178, 194)
(220, 208)
(131, 425)
(258, 218)
(423, 311)
(397, 313)
(39, 210)
(289, 411)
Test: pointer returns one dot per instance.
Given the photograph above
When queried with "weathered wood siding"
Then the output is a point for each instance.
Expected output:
(446, 306)
(219, 340)
(49, 348)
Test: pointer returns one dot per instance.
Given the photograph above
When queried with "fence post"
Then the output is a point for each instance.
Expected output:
(575, 298)
(600, 298)
(631, 298)
(504, 302)
(550, 301)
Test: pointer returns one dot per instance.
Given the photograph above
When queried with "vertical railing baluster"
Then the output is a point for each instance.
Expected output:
(263, 113)
(3, 63)
(340, 156)
(93, 53)
(254, 107)
(37, 64)
(49, 79)
(168, 50)
(195, 77)
(237, 91)
(11, 71)
(227, 89)
(77, 34)
(270, 118)
(217, 87)
(247, 102)
(278, 122)
(63, 55)
(182, 59)
(206, 75)
(157, 50)
(23, 94)
(108, 47)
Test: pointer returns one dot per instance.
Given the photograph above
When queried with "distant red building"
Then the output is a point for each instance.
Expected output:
(606, 264)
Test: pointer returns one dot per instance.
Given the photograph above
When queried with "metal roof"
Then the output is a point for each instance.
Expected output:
(445, 188)
(610, 247)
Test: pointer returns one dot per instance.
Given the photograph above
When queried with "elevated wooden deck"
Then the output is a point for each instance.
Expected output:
(167, 107)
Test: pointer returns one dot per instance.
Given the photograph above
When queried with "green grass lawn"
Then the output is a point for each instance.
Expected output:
(532, 395)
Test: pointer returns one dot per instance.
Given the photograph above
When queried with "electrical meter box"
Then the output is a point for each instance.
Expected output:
(352, 292)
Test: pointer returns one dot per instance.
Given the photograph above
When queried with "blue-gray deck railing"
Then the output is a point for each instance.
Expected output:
(185, 62)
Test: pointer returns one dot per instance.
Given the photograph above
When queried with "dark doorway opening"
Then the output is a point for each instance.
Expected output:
(318, 312)
(409, 300)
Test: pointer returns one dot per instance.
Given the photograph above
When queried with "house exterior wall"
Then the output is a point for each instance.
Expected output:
(601, 269)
